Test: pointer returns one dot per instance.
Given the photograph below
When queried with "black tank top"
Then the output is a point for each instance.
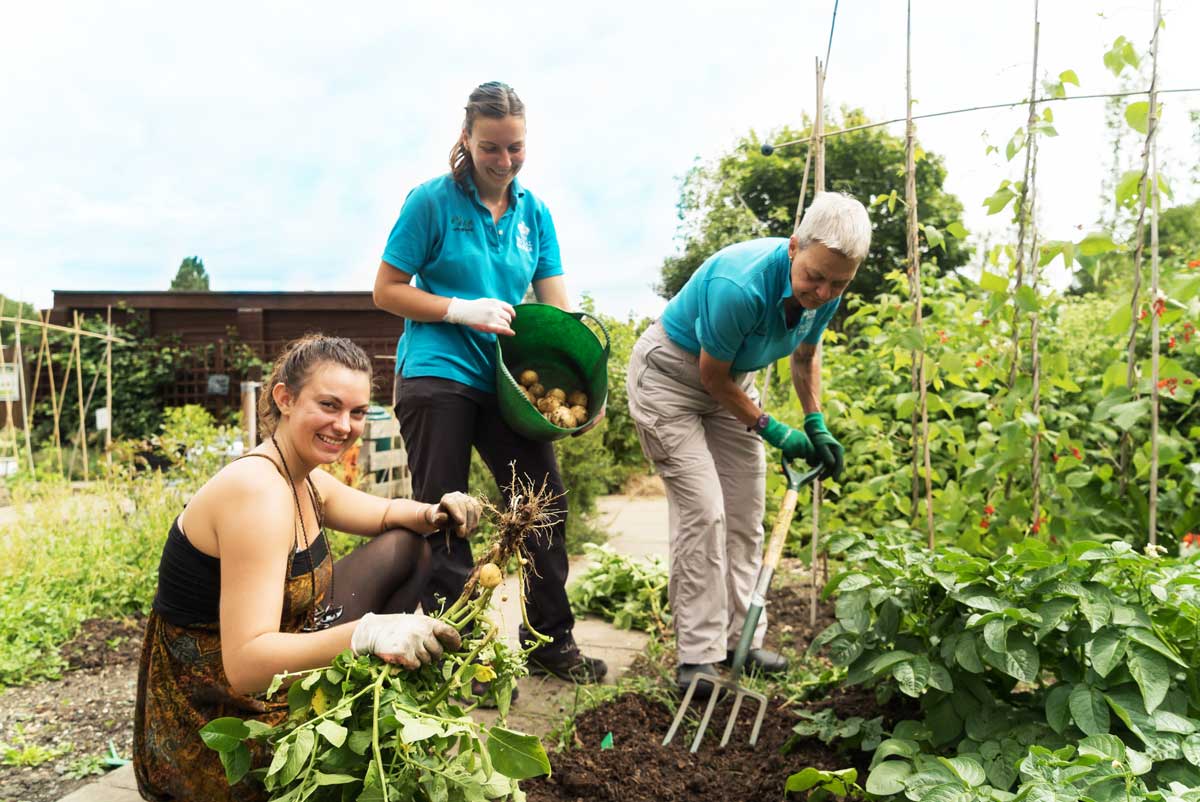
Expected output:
(189, 581)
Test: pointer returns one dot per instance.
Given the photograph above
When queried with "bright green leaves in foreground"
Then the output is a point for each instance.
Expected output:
(1053, 674)
(348, 720)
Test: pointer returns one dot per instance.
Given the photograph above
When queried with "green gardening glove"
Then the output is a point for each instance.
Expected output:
(792, 442)
(828, 450)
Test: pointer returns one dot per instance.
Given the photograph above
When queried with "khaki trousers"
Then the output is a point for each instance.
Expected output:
(715, 474)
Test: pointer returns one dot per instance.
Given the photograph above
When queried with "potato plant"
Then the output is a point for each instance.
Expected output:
(361, 729)
(1039, 646)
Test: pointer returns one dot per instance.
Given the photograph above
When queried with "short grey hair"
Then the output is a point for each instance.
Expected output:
(839, 222)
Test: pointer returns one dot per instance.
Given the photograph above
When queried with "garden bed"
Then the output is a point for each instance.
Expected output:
(57, 733)
(638, 769)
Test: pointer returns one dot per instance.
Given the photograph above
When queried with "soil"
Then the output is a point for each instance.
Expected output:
(78, 716)
(639, 769)
(75, 718)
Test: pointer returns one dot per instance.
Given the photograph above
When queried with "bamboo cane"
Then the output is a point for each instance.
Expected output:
(26, 404)
(79, 383)
(108, 391)
(1152, 127)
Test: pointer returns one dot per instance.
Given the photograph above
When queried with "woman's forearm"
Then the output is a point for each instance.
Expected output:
(251, 667)
(409, 302)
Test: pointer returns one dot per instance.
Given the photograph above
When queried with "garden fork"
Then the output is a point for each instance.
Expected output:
(758, 600)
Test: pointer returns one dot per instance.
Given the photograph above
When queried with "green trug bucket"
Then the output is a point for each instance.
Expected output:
(564, 351)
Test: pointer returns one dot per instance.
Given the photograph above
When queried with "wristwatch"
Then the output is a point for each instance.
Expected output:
(760, 424)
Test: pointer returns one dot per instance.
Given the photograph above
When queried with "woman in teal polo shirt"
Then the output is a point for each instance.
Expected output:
(466, 248)
(693, 401)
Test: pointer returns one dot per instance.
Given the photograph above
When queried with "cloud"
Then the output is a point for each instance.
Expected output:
(277, 141)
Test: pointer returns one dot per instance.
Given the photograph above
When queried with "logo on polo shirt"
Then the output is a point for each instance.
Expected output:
(460, 223)
(523, 238)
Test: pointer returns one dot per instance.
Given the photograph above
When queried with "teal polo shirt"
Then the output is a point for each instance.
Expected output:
(446, 239)
(732, 307)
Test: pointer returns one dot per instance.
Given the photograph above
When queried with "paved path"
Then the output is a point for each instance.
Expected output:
(637, 526)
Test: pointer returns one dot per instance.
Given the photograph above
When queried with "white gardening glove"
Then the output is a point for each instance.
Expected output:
(459, 512)
(407, 639)
(482, 314)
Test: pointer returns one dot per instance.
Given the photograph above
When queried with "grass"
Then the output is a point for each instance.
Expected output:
(75, 555)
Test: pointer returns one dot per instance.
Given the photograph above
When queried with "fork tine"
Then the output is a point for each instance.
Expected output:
(758, 719)
(737, 704)
(708, 711)
(682, 712)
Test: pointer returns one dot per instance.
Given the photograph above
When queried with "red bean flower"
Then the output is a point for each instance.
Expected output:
(989, 509)
(1075, 453)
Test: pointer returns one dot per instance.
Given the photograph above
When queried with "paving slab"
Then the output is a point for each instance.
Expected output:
(637, 526)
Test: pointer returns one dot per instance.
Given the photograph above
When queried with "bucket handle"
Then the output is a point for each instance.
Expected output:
(581, 315)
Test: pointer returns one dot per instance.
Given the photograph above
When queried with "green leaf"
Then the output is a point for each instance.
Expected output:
(1127, 187)
(1191, 749)
(420, 729)
(996, 202)
(912, 339)
(888, 778)
(1152, 674)
(1068, 77)
(893, 747)
(517, 755)
(297, 755)
(957, 230)
(1058, 714)
(333, 732)
(967, 655)
(1129, 414)
(1089, 710)
(934, 237)
(993, 283)
(1119, 324)
(334, 779)
(1020, 661)
(1107, 649)
(224, 734)
(1137, 114)
(1149, 639)
(236, 763)
(940, 678)
(966, 769)
(1096, 243)
(1027, 299)
(912, 675)
(805, 779)
(1109, 747)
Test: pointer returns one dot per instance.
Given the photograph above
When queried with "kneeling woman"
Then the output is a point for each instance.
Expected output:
(246, 585)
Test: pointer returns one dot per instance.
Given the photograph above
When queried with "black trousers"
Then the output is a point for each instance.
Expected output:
(441, 420)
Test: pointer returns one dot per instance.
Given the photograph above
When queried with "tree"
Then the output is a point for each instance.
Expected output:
(746, 194)
(192, 277)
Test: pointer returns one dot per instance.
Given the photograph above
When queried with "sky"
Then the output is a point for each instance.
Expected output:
(277, 140)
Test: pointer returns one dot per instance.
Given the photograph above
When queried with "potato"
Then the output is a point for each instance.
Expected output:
(577, 399)
(557, 393)
(548, 404)
(537, 390)
(562, 418)
(580, 414)
(528, 378)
